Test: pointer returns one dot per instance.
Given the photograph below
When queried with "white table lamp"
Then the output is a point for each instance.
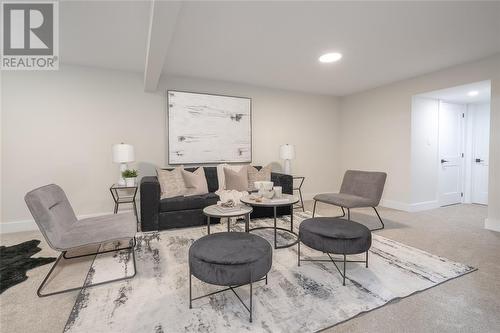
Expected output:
(287, 153)
(123, 153)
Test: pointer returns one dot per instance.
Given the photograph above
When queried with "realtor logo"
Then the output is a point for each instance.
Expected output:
(30, 36)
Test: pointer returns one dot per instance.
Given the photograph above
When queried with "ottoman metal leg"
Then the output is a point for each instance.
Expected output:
(190, 295)
(298, 253)
(248, 308)
(314, 207)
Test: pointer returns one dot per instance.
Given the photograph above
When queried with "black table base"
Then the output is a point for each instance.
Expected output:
(276, 228)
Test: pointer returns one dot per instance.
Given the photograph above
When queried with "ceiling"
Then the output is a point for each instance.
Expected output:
(460, 95)
(276, 44)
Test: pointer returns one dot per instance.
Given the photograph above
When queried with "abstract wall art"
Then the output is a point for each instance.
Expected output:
(206, 128)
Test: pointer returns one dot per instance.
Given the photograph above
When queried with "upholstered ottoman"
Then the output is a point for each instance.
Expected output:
(333, 235)
(230, 259)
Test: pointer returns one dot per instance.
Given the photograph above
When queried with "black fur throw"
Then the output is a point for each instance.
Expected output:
(16, 260)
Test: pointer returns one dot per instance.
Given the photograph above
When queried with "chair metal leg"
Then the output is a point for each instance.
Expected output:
(380, 219)
(314, 208)
(348, 214)
(343, 212)
(63, 255)
(343, 276)
(134, 242)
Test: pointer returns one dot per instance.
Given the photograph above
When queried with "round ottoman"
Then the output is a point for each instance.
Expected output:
(332, 235)
(230, 259)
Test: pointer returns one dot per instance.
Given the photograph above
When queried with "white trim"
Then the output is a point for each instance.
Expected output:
(425, 205)
(30, 225)
(398, 205)
(492, 224)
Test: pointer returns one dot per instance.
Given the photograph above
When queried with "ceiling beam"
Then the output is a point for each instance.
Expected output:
(161, 29)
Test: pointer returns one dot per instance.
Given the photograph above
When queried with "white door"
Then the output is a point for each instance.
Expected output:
(451, 135)
(480, 115)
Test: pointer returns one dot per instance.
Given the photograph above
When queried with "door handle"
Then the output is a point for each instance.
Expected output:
(478, 160)
(443, 161)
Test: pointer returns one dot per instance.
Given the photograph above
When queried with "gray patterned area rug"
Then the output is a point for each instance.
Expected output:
(297, 299)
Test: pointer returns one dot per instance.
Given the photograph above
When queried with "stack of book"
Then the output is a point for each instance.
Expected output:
(226, 210)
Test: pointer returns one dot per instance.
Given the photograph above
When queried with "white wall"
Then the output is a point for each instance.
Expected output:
(58, 127)
(424, 152)
(376, 129)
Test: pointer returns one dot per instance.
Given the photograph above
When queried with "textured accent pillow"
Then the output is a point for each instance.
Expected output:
(237, 181)
(171, 183)
(254, 175)
(196, 182)
(220, 173)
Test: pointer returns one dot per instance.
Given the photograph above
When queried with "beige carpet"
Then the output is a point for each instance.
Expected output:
(468, 304)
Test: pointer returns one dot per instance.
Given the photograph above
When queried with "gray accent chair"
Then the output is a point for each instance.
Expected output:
(359, 189)
(63, 231)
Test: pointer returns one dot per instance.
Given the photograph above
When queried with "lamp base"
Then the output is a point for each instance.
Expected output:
(121, 180)
(288, 167)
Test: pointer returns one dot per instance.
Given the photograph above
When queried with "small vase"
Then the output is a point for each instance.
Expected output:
(130, 182)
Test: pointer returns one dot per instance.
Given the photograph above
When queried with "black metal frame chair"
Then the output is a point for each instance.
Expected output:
(63, 255)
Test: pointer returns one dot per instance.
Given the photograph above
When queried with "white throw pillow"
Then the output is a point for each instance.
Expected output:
(220, 173)
(171, 183)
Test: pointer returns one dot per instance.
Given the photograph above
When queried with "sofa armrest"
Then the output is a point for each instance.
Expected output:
(283, 180)
(150, 203)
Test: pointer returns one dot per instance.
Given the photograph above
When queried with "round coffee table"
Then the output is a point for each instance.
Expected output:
(286, 200)
(214, 211)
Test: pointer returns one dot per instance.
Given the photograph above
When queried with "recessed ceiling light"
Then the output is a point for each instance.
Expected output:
(330, 57)
(473, 93)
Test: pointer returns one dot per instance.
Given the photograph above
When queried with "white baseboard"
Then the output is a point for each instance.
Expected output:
(425, 205)
(30, 225)
(398, 205)
(406, 207)
(492, 224)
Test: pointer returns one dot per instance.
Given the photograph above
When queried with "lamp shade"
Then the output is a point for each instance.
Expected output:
(287, 152)
(123, 153)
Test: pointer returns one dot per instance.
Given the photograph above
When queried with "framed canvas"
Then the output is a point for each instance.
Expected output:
(208, 128)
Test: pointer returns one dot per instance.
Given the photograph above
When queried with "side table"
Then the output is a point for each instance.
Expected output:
(124, 195)
(299, 189)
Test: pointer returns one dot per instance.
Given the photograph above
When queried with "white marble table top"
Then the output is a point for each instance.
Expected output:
(285, 200)
(213, 211)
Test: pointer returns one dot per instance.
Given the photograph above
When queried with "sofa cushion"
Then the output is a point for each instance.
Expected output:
(186, 203)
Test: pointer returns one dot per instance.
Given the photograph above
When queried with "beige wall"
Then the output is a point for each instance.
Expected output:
(58, 127)
(376, 124)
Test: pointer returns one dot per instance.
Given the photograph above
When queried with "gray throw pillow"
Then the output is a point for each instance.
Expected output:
(237, 181)
(196, 182)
